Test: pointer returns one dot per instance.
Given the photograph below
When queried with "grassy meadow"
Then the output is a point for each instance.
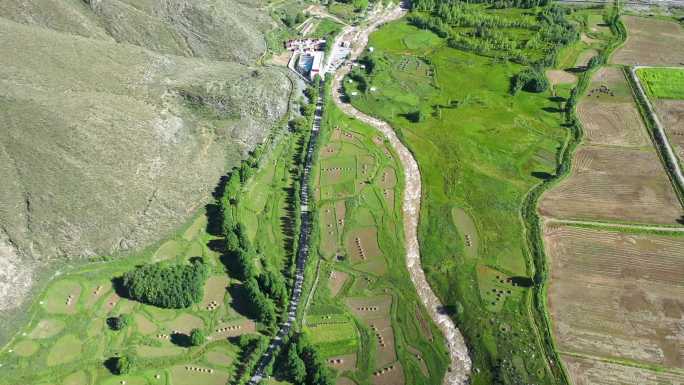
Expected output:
(480, 150)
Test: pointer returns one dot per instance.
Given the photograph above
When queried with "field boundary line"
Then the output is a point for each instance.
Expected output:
(630, 226)
(623, 362)
(532, 220)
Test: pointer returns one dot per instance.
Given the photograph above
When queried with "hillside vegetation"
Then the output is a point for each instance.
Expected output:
(110, 142)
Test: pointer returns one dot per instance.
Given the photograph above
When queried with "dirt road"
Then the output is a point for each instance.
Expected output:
(459, 370)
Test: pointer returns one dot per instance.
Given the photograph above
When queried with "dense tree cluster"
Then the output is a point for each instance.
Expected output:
(531, 80)
(485, 32)
(303, 365)
(121, 365)
(167, 285)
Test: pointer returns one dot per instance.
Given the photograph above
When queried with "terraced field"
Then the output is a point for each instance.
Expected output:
(365, 317)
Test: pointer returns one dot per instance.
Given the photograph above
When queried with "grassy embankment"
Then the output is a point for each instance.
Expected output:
(481, 151)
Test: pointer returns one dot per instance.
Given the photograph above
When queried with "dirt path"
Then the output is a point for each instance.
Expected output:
(459, 370)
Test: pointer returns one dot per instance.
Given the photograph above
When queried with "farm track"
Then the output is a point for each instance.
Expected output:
(629, 226)
(460, 368)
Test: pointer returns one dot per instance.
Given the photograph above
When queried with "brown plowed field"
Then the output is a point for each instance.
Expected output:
(651, 41)
(614, 184)
(590, 372)
(671, 113)
(617, 295)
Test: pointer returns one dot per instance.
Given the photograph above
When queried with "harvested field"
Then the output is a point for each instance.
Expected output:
(618, 184)
(218, 357)
(608, 112)
(234, 328)
(392, 374)
(342, 363)
(671, 113)
(612, 124)
(560, 77)
(466, 227)
(617, 295)
(387, 178)
(370, 308)
(156, 352)
(184, 323)
(330, 150)
(585, 371)
(192, 374)
(25, 348)
(214, 292)
(96, 292)
(362, 244)
(329, 229)
(384, 342)
(651, 41)
(62, 297)
(144, 325)
(66, 349)
(336, 281)
(47, 328)
(344, 381)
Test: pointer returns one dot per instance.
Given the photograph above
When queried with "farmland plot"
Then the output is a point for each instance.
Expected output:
(614, 184)
(671, 113)
(617, 295)
(651, 41)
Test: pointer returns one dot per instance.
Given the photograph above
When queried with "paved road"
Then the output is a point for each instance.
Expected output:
(460, 368)
(669, 154)
(302, 255)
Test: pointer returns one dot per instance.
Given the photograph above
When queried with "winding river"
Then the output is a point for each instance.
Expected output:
(460, 367)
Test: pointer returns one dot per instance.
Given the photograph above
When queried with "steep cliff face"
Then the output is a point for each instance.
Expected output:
(118, 118)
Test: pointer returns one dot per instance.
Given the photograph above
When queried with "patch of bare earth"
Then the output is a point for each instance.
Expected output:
(671, 113)
(651, 41)
(617, 295)
(560, 77)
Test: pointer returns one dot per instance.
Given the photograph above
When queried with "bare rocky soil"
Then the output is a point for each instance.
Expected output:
(118, 119)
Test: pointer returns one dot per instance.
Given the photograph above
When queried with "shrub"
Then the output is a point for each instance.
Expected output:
(197, 337)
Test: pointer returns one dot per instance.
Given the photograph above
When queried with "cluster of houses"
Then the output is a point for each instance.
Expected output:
(308, 56)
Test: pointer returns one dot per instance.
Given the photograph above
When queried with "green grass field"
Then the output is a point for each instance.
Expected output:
(664, 83)
(480, 150)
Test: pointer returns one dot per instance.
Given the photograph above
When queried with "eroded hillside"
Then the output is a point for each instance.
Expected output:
(118, 119)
